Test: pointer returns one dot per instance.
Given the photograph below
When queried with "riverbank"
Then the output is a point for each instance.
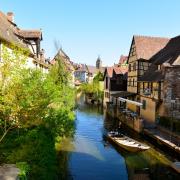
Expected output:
(92, 157)
(34, 148)
(154, 135)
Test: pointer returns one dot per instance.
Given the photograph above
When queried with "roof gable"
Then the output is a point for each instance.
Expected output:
(110, 71)
(30, 34)
(146, 46)
(8, 31)
(123, 59)
(64, 59)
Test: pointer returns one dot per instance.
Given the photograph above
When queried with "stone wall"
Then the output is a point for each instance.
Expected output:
(171, 91)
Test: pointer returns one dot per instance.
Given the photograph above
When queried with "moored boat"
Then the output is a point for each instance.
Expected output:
(126, 143)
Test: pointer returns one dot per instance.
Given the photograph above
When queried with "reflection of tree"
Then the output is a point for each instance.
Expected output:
(63, 159)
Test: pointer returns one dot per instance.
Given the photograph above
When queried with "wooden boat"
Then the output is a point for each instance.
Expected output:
(126, 142)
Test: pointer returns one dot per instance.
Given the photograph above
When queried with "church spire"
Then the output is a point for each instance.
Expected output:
(98, 63)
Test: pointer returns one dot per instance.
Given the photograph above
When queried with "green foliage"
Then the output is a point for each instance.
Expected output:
(99, 77)
(35, 109)
(28, 96)
(60, 73)
(24, 169)
(94, 89)
(34, 146)
(11, 68)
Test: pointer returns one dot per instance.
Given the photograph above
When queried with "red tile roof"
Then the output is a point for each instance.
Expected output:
(123, 59)
(169, 54)
(117, 70)
(109, 71)
(147, 46)
(8, 31)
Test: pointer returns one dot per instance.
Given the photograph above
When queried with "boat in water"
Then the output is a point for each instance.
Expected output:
(126, 142)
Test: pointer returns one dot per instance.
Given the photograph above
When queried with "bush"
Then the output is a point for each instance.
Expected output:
(33, 151)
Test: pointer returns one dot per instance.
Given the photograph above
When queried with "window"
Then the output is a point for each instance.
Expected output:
(133, 82)
(144, 104)
(129, 67)
(107, 95)
(132, 52)
(134, 67)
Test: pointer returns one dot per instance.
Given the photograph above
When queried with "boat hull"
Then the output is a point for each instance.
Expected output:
(127, 147)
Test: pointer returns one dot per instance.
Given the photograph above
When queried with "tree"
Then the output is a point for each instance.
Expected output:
(11, 67)
(30, 98)
(61, 118)
(94, 89)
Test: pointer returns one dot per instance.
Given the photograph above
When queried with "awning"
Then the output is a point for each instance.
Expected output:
(122, 94)
(130, 101)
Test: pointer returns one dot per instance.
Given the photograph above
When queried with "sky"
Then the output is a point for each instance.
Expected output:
(86, 29)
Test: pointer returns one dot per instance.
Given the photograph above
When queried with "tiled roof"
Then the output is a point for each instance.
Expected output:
(152, 75)
(169, 54)
(120, 70)
(94, 70)
(147, 46)
(30, 34)
(8, 31)
(116, 70)
(64, 58)
(123, 59)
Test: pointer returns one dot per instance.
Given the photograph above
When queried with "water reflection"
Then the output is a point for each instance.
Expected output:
(90, 156)
(150, 164)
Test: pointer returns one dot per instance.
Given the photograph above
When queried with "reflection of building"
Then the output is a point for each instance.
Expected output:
(11, 34)
(115, 80)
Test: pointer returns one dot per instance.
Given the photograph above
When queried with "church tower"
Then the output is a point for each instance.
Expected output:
(98, 63)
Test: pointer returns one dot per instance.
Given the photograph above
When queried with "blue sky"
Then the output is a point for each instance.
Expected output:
(88, 28)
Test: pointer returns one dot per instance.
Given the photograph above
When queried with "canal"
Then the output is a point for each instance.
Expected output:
(91, 157)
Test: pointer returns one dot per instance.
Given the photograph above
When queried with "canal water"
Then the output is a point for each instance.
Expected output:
(91, 157)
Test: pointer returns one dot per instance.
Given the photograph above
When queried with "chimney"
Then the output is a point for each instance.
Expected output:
(10, 16)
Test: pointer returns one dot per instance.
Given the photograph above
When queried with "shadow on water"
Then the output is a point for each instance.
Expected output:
(89, 156)
(152, 162)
